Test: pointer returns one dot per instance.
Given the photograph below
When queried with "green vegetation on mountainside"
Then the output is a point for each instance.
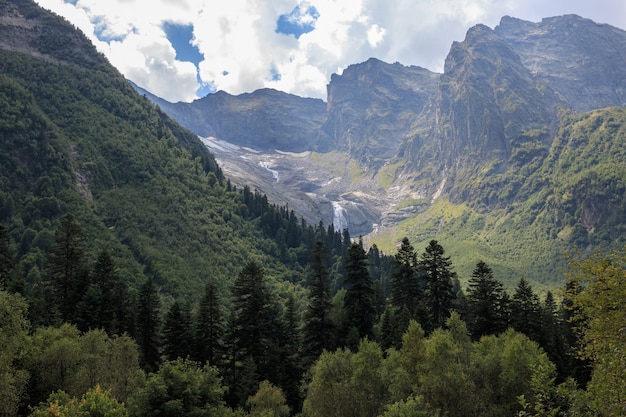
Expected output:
(82, 141)
(569, 199)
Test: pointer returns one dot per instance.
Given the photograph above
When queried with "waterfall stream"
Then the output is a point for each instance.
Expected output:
(340, 219)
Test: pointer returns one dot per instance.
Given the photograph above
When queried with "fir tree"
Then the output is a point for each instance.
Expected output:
(6, 259)
(318, 330)
(66, 269)
(485, 303)
(359, 298)
(149, 325)
(439, 286)
(105, 303)
(525, 311)
(255, 328)
(178, 332)
(209, 327)
(406, 285)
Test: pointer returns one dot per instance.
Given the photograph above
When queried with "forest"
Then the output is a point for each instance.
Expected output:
(136, 280)
(377, 335)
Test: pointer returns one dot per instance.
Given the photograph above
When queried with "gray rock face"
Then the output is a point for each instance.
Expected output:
(389, 132)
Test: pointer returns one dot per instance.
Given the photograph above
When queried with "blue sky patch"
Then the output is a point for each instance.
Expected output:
(275, 74)
(180, 37)
(301, 20)
(100, 30)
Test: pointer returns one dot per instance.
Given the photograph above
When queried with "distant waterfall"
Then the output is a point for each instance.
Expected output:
(340, 219)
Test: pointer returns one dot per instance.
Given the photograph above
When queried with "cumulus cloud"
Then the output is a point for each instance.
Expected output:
(291, 45)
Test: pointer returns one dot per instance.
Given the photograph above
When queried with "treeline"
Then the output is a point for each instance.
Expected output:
(423, 346)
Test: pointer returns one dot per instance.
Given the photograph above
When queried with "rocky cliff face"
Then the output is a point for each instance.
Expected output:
(393, 139)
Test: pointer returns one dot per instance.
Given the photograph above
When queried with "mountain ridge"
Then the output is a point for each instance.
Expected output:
(479, 135)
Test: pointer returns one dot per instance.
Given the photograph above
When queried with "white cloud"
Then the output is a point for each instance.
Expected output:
(242, 51)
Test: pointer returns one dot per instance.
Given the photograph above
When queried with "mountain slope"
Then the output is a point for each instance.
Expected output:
(76, 138)
(420, 154)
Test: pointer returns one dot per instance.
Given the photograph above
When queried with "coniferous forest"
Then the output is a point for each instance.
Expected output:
(137, 280)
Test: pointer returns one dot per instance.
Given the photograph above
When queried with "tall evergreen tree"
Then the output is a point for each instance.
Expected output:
(318, 330)
(291, 359)
(105, 303)
(406, 285)
(178, 332)
(485, 303)
(255, 328)
(552, 333)
(6, 259)
(149, 325)
(439, 286)
(525, 311)
(66, 269)
(209, 327)
(359, 298)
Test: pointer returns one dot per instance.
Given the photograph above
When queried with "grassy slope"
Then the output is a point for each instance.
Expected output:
(572, 202)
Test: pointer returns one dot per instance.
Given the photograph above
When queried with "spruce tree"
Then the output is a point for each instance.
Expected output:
(105, 304)
(6, 259)
(439, 295)
(149, 325)
(525, 311)
(178, 332)
(406, 281)
(318, 330)
(66, 270)
(254, 332)
(209, 327)
(485, 303)
(359, 298)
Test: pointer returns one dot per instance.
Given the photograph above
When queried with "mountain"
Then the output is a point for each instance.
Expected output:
(76, 138)
(475, 156)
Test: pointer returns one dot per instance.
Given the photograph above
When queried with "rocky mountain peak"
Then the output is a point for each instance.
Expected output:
(580, 60)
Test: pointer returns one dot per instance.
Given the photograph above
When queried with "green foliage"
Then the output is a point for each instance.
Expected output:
(64, 359)
(254, 333)
(442, 374)
(268, 401)
(597, 292)
(178, 336)
(180, 388)
(95, 402)
(359, 299)
(13, 339)
(487, 305)
(149, 325)
(318, 330)
(439, 286)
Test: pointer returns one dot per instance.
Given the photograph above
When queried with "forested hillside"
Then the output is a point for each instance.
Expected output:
(136, 280)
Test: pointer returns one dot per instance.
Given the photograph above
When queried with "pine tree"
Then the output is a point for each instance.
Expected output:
(406, 285)
(209, 327)
(178, 332)
(485, 303)
(359, 298)
(149, 325)
(318, 330)
(439, 287)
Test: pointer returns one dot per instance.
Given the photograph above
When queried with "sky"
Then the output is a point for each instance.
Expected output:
(182, 50)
